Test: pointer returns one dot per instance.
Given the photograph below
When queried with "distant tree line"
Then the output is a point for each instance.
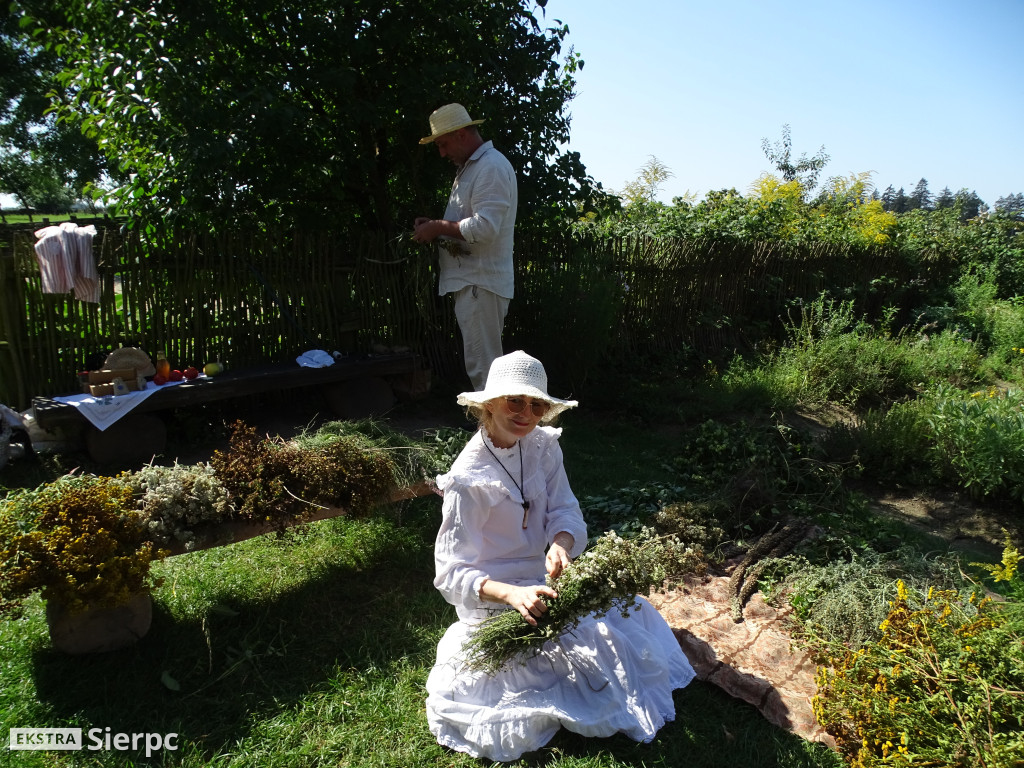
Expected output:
(966, 202)
(788, 205)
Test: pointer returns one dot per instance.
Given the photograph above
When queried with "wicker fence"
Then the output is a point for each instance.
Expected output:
(250, 298)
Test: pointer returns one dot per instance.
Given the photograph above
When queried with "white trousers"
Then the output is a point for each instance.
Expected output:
(481, 318)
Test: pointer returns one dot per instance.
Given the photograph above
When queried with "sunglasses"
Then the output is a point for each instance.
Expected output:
(517, 405)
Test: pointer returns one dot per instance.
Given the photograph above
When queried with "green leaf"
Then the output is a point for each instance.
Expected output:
(169, 682)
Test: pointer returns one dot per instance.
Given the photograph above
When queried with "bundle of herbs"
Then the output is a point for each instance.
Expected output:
(608, 576)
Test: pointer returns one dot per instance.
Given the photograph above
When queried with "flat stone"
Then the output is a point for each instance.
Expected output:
(754, 660)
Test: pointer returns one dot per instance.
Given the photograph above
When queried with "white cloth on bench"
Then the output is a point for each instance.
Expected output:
(104, 411)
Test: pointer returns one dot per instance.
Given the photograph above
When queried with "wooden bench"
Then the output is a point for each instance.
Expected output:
(354, 387)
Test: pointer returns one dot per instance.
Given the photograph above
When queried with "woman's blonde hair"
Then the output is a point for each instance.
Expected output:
(484, 418)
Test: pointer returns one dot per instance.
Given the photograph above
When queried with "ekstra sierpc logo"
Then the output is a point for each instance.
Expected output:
(95, 739)
(46, 738)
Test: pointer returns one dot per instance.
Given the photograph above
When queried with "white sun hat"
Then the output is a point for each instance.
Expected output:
(517, 373)
(446, 119)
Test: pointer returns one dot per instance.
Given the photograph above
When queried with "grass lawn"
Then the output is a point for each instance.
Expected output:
(313, 649)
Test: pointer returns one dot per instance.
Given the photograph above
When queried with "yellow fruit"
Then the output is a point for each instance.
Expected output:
(212, 369)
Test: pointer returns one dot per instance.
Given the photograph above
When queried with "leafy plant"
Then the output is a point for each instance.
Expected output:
(979, 439)
(628, 510)
(887, 445)
(944, 685)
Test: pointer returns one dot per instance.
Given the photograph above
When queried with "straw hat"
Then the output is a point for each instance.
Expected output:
(517, 374)
(446, 119)
(130, 357)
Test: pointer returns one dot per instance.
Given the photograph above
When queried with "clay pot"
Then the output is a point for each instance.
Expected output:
(98, 630)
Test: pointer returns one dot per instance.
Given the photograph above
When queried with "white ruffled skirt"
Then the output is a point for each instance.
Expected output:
(610, 675)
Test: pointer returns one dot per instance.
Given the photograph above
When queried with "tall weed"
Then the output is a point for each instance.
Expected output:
(979, 439)
(969, 439)
(832, 356)
(996, 325)
(888, 445)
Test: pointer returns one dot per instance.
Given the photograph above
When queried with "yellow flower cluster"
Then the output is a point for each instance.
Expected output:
(943, 686)
(80, 543)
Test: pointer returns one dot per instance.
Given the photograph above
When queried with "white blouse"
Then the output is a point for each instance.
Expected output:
(482, 535)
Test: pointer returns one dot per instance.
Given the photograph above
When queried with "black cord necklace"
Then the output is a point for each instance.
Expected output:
(519, 485)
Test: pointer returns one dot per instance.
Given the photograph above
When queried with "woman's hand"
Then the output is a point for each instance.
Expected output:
(529, 601)
(558, 554)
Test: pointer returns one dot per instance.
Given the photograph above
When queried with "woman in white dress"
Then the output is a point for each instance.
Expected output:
(510, 518)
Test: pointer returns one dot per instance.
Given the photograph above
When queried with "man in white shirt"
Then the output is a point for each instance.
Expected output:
(475, 237)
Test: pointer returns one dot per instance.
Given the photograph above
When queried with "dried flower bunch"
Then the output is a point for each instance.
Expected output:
(609, 575)
(282, 482)
(86, 540)
(89, 540)
(77, 540)
(172, 501)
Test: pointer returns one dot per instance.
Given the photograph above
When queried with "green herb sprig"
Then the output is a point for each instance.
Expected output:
(607, 576)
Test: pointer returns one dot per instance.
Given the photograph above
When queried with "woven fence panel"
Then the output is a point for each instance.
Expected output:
(244, 298)
(248, 298)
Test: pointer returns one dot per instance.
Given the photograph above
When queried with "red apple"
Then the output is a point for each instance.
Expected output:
(159, 379)
(191, 372)
(176, 375)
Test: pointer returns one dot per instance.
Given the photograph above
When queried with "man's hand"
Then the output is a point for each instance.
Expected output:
(427, 230)
(424, 230)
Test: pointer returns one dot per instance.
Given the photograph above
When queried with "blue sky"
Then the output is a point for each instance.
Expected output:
(907, 89)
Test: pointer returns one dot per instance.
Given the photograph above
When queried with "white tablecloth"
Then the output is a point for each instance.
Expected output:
(104, 411)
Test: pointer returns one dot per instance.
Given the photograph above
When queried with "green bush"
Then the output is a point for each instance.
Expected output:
(946, 356)
(944, 685)
(832, 356)
(979, 439)
(893, 445)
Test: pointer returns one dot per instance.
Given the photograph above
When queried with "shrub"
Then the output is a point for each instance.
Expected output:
(832, 356)
(979, 439)
(887, 445)
(758, 472)
(944, 685)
